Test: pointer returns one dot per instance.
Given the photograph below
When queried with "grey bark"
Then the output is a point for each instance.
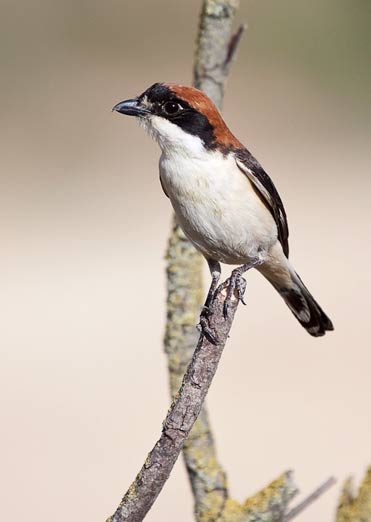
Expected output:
(179, 420)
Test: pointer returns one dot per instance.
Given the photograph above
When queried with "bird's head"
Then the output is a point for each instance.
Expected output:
(181, 119)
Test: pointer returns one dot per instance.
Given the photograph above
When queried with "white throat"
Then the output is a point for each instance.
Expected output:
(172, 139)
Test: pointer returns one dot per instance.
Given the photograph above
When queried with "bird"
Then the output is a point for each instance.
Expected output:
(223, 199)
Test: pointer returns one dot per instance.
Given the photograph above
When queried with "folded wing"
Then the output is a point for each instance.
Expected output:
(268, 193)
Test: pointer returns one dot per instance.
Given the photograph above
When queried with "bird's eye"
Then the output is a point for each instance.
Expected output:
(172, 108)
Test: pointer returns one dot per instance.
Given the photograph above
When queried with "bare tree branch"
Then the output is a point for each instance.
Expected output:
(216, 47)
(179, 420)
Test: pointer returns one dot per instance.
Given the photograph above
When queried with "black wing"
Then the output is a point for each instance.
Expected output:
(268, 193)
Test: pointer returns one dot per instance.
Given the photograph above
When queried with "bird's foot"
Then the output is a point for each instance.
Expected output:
(204, 327)
(235, 284)
(204, 324)
(207, 308)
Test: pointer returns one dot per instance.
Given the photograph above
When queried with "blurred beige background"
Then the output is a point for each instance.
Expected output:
(84, 225)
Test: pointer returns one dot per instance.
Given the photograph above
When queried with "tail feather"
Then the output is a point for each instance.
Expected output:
(305, 308)
(302, 304)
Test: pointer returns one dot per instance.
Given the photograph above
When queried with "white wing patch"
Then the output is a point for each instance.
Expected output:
(249, 173)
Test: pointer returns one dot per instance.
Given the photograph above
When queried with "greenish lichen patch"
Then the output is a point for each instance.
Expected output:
(355, 508)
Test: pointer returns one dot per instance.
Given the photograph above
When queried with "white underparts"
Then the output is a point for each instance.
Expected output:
(220, 211)
(217, 206)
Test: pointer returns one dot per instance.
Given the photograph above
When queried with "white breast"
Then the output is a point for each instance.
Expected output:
(216, 205)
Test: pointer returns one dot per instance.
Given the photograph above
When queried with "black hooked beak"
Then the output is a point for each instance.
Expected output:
(131, 108)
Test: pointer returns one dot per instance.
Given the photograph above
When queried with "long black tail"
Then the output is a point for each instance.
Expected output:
(305, 308)
(300, 301)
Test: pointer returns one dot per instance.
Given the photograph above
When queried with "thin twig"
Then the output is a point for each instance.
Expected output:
(233, 45)
(310, 499)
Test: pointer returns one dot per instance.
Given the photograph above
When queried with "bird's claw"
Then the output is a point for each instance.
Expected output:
(234, 283)
(204, 328)
(206, 310)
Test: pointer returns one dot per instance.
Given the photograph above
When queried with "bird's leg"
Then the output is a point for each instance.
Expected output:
(215, 272)
(203, 325)
(237, 282)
